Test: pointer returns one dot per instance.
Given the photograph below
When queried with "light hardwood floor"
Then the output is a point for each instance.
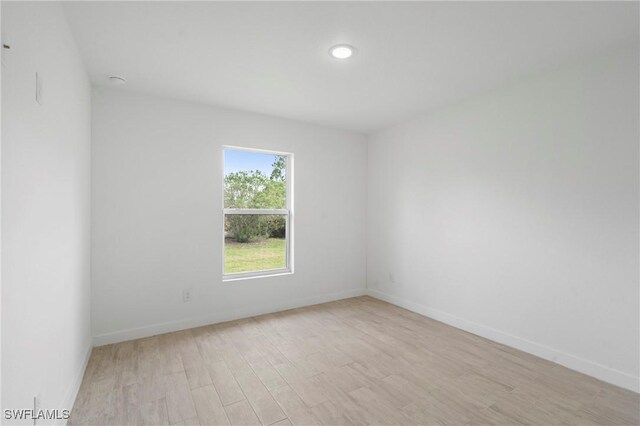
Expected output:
(354, 361)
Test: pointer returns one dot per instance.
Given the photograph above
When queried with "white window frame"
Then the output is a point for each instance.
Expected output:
(288, 212)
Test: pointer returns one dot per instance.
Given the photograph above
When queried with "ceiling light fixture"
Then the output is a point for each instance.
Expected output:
(117, 81)
(342, 51)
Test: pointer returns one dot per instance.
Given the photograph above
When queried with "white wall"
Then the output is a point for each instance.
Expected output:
(1, 54)
(515, 215)
(45, 210)
(157, 214)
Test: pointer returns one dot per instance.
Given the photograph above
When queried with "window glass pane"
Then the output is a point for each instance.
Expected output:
(254, 242)
(254, 180)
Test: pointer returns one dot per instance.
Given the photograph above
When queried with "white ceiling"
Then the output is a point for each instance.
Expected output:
(273, 57)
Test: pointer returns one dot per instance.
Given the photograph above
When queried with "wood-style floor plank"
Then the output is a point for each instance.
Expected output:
(208, 406)
(350, 362)
(241, 414)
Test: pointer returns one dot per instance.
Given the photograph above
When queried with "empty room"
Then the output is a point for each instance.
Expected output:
(320, 213)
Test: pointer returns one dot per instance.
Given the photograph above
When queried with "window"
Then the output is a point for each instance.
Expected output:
(257, 213)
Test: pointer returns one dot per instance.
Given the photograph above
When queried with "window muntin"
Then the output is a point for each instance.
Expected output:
(257, 213)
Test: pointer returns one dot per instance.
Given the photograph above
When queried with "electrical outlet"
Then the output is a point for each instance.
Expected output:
(186, 295)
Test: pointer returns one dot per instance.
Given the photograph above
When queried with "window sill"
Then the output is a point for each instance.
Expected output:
(253, 275)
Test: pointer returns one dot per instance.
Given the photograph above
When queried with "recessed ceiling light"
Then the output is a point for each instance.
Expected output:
(342, 51)
(115, 80)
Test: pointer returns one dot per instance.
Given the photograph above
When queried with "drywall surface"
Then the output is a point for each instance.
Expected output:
(46, 334)
(157, 185)
(1, 54)
(515, 215)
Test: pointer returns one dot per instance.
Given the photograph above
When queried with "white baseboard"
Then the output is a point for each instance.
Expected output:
(168, 327)
(70, 397)
(573, 362)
